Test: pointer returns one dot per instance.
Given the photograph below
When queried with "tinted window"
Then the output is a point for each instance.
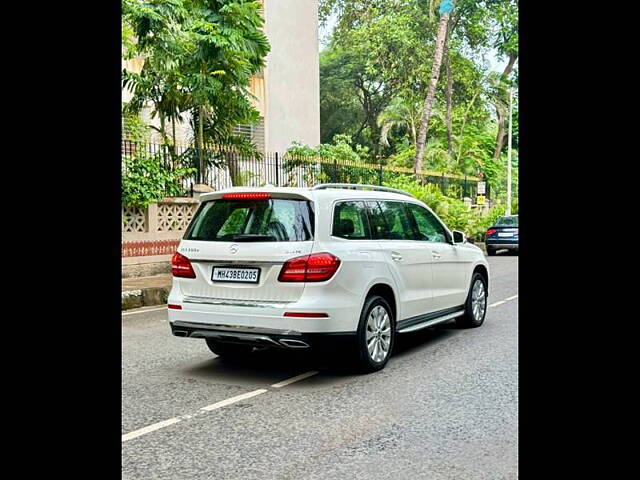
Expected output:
(350, 221)
(269, 220)
(429, 227)
(511, 221)
(390, 221)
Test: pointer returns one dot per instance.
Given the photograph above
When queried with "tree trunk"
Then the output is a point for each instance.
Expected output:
(173, 130)
(234, 169)
(500, 137)
(413, 133)
(501, 133)
(200, 135)
(428, 101)
(449, 95)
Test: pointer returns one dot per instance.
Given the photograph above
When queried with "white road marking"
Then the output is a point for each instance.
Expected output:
(150, 428)
(297, 378)
(213, 406)
(235, 399)
(503, 301)
(164, 307)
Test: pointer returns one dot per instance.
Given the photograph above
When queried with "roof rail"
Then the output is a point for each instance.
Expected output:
(354, 186)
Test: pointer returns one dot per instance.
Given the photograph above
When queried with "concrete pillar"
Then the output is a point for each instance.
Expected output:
(151, 218)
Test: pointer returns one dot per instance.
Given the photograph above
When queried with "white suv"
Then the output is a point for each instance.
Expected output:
(337, 266)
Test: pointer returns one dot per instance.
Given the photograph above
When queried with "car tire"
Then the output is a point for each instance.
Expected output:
(491, 252)
(228, 350)
(376, 323)
(475, 307)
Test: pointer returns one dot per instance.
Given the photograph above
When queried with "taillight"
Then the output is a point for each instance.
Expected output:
(491, 231)
(246, 196)
(181, 266)
(317, 267)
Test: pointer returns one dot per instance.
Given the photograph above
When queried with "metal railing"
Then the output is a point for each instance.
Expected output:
(226, 167)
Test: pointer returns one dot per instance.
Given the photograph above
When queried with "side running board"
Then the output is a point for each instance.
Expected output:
(429, 321)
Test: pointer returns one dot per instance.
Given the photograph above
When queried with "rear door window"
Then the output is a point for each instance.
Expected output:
(263, 220)
(390, 221)
(350, 221)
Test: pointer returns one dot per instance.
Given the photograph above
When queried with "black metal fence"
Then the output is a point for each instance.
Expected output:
(225, 167)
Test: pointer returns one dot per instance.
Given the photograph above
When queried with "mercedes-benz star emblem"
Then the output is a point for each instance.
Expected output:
(233, 248)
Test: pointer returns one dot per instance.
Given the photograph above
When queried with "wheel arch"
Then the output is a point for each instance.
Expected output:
(484, 271)
(387, 292)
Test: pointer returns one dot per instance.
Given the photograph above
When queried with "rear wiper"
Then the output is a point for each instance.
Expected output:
(253, 237)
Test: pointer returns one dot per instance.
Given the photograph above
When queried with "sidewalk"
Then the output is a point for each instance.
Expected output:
(145, 291)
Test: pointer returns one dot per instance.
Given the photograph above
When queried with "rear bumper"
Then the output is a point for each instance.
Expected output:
(340, 306)
(263, 337)
(510, 244)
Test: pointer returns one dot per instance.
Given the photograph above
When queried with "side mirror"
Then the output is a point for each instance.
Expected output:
(458, 237)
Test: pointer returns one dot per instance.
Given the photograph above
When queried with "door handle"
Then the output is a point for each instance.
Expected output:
(396, 256)
(436, 255)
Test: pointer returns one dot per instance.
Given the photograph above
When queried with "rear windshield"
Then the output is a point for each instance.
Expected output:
(268, 220)
(507, 222)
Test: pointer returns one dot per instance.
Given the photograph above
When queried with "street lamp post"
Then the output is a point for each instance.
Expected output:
(508, 212)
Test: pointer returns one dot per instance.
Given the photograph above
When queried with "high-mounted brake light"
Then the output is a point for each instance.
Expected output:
(181, 266)
(317, 267)
(491, 231)
(246, 196)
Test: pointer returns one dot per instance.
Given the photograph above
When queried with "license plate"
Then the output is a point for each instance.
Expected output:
(505, 234)
(234, 274)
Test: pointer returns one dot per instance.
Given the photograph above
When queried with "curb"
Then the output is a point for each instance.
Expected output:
(144, 297)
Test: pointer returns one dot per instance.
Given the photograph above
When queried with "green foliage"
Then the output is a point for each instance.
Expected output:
(378, 50)
(373, 76)
(145, 180)
(340, 150)
(303, 159)
(199, 58)
(453, 212)
(403, 158)
(134, 128)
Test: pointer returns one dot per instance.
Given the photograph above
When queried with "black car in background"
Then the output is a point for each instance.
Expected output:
(503, 234)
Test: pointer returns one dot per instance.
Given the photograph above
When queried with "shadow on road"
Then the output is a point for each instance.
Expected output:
(408, 343)
(273, 365)
(258, 368)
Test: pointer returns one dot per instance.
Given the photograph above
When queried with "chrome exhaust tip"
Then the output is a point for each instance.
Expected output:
(289, 343)
(181, 333)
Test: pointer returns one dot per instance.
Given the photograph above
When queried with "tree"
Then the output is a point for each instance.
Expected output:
(505, 41)
(154, 31)
(445, 10)
(460, 134)
(377, 51)
(401, 112)
(200, 57)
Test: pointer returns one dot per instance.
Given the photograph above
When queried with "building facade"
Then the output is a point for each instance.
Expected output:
(287, 90)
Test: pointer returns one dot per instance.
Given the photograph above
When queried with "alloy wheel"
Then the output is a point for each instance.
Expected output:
(378, 334)
(478, 300)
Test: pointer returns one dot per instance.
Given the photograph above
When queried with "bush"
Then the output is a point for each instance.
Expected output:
(145, 180)
(452, 211)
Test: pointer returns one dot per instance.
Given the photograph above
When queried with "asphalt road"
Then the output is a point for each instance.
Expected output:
(445, 406)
